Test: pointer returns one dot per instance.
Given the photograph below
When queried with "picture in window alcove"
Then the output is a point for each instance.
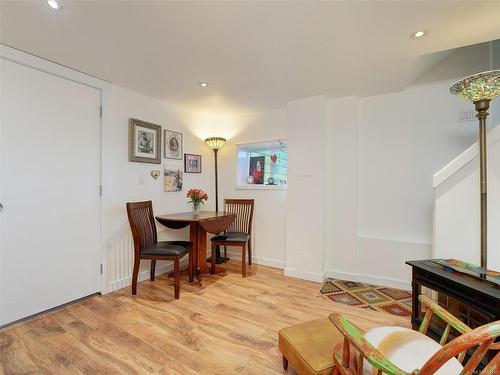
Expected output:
(257, 165)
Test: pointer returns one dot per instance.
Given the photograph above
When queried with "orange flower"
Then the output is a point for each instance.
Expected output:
(196, 196)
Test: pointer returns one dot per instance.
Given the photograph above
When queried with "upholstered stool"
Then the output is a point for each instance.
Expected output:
(308, 347)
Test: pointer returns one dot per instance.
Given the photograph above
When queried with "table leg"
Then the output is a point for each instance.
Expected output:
(202, 250)
(193, 237)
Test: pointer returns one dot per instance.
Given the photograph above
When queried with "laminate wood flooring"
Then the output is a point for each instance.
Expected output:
(227, 326)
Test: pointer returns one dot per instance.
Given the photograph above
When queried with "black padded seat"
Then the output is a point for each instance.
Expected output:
(167, 248)
(232, 237)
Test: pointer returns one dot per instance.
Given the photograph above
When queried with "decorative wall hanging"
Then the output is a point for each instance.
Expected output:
(155, 174)
(144, 142)
(192, 163)
(172, 144)
(173, 179)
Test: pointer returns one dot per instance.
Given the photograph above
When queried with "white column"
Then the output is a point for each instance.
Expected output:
(305, 254)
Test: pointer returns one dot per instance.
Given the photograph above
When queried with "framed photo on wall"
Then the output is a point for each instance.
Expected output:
(144, 142)
(173, 179)
(192, 163)
(172, 144)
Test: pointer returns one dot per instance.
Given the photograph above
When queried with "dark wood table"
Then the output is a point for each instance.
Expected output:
(472, 300)
(199, 226)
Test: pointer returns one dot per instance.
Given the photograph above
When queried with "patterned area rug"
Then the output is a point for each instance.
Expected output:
(366, 296)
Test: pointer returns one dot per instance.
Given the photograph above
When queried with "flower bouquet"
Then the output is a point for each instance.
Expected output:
(197, 198)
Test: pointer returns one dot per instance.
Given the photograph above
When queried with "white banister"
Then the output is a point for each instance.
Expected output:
(464, 158)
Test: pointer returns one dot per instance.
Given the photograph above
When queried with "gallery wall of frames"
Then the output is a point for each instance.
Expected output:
(145, 146)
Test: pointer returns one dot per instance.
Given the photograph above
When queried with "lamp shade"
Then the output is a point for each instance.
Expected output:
(215, 143)
(480, 86)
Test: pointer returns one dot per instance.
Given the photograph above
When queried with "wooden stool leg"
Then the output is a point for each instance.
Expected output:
(153, 268)
(190, 266)
(212, 258)
(243, 261)
(135, 274)
(285, 363)
(177, 280)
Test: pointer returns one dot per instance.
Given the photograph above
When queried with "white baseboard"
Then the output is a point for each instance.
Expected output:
(370, 279)
(234, 254)
(144, 275)
(311, 276)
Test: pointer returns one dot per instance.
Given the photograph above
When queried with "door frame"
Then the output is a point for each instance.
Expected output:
(34, 62)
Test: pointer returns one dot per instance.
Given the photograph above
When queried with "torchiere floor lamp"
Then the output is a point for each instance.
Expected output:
(480, 89)
(216, 143)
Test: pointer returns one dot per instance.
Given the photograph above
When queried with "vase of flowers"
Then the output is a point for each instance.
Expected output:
(197, 198)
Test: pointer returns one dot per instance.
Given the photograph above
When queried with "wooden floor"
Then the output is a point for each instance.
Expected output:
(228, 326)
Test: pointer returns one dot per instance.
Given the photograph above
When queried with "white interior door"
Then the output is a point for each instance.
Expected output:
(49, 177)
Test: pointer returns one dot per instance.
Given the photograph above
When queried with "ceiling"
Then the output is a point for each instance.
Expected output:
(256, 55)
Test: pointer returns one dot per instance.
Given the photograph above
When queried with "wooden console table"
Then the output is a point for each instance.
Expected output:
(472, 300)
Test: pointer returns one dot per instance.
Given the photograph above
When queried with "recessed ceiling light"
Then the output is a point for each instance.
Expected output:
(203, 84)
(53, 4)
(418, 34)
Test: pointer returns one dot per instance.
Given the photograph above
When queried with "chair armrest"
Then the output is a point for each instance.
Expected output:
(355, 337)
(443, 314)
(483, 336)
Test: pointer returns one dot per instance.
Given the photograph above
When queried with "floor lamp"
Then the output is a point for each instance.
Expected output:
(216, 143)
(480, 89)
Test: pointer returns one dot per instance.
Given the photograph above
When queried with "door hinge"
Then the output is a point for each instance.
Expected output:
(100, 111)
(100, 190)
(101, 268)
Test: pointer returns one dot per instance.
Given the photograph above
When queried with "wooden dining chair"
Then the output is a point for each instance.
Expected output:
(147, 246)
(239, 233)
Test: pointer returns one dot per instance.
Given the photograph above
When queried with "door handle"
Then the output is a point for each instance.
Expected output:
(1, 207)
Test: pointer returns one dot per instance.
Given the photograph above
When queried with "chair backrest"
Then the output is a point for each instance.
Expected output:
(479, 343)
(243, 208)
(142, 224)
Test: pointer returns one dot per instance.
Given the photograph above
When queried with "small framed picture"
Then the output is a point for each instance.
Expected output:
(192, 163)
(144, 142)
(172, 144)
(173, 179)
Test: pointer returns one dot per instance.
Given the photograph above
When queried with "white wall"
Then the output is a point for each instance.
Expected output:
(306, 123)
(341, 194)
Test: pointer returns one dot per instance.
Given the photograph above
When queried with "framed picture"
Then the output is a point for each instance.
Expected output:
(173, 179)
(144, 141)
(192, 163)
(256, 173)
(172, 144)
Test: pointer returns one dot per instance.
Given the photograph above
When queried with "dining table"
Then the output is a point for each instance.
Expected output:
(199, 225)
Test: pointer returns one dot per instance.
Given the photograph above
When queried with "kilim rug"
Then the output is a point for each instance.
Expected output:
(366, 296)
